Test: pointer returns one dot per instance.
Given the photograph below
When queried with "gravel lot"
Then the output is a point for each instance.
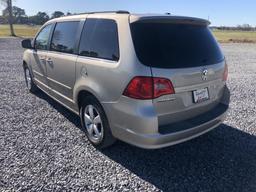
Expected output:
(42, 147)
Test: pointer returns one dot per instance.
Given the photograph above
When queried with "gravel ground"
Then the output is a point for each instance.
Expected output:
(43, 149)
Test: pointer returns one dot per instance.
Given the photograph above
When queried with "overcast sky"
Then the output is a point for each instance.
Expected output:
(220, 12)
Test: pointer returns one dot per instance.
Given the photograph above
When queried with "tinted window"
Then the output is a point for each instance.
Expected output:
(100, 39)
(64, 37)
(42, 38)
(170, 45)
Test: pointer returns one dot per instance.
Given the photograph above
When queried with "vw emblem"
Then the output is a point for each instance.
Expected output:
(204, 74)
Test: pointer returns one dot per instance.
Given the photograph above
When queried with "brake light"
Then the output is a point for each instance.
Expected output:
(225, 74)
(162, 87)
(148, 88)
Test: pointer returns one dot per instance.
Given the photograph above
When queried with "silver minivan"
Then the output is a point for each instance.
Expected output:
(149, 80)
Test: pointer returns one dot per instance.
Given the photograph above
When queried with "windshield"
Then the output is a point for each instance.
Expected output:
(173, 45)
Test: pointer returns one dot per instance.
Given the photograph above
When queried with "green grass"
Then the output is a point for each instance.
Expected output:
(20, 30)
(235, 36)
(222, 36)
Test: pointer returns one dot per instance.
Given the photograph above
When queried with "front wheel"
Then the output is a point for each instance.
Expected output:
(31, 87)
(95, 123)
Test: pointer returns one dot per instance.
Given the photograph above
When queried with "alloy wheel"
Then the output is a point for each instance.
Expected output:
(93, 124)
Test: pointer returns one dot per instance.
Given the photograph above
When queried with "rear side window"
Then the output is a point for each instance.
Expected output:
(64, 37)
(172, 45)
(41, 41)
(100, 39)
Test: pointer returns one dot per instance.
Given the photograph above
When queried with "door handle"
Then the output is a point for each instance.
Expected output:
(42, 59)
(49, 60)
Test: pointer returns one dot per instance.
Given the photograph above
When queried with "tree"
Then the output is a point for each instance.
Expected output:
(245, 27)
(8, 4)
(57, 14)
(39, 19)
(19, 15)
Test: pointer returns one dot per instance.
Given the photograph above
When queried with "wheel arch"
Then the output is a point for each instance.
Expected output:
(24, 64)
(82, 93)
(26, 58)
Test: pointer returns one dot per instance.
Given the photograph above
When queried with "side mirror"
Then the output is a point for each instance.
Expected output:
(26, 43)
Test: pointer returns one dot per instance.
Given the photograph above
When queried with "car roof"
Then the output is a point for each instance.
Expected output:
(84, 15)
(134, 17)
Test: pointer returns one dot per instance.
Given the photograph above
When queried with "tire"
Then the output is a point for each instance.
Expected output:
(95, 123)
(31, 86)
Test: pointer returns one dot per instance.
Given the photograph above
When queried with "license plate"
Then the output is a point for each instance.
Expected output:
(200, 95)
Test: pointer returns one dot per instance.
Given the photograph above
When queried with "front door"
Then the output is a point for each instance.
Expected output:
(38, 59)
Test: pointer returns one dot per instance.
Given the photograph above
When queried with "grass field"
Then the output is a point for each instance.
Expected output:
(20, 30)
(222, 36)
(236, 36)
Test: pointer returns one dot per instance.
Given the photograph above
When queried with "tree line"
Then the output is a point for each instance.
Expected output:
(244, 27)
(20, 16)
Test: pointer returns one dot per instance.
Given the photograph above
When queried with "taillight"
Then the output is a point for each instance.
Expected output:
(148, 87)
(225, 74)
(140, 88)
(162, 87)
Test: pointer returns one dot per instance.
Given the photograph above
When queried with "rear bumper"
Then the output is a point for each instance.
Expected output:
(170, 135)
(136, 123)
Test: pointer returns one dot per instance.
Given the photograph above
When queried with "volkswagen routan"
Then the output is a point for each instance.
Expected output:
(149, 80)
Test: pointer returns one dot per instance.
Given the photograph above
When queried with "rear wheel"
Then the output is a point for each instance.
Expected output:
(31, 87)
(95, 123)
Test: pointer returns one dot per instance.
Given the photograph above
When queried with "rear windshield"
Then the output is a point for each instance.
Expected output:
(172, 45)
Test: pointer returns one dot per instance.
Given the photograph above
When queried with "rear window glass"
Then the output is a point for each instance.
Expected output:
(172, 45)
(100, 39)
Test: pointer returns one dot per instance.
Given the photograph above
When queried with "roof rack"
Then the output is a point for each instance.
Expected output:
(123, 12)
(118, 12)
